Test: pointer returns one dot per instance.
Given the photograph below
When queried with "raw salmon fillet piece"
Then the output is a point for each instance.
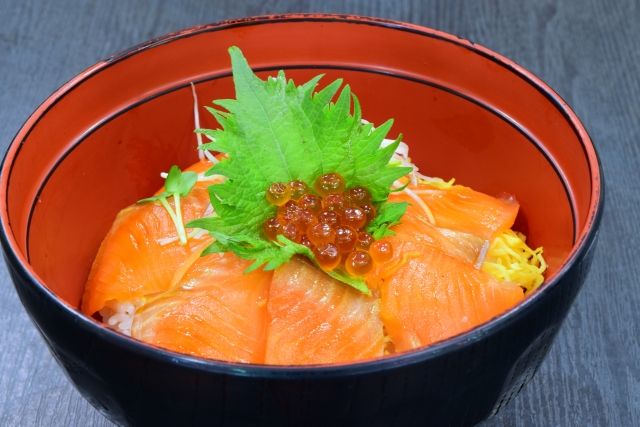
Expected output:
(316, 319)
(131, 262)
(215, 311)
(415, 234)
(432, 296)
(460, 208)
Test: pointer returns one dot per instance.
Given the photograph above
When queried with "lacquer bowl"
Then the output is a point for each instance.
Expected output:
(98, 144)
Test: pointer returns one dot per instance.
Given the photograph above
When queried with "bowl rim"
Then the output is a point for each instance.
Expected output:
(583, 241)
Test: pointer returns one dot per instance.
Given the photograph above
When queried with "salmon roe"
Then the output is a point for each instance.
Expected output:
(354, 216)
(311, 202)
(288, 212)
(334, 202)
(321, 233)
(330, 183)
(305, 241)
(305, 219)
(298, 189)
(381, 251)
(359, 263)
(278, 193)
(358, 196)
(369, 213)
(364, 241)
(330, 223)
(327, 255)
(272, 228)
(346, 238)
(292, 232)
(329, 217)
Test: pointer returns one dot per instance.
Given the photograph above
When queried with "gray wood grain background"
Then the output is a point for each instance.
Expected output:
(587, 50)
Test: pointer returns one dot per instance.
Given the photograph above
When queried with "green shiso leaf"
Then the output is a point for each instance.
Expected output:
(275, 131)
(388, 215)
(382, 232)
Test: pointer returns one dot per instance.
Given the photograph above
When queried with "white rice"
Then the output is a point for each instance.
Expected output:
(119, 316)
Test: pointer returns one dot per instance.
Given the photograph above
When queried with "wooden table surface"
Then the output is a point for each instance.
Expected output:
(588, 51)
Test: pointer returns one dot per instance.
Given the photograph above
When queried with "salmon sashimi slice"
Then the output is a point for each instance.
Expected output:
(415, 234)
(462, 209)
(468, 245)
(141, 252)
(215, 311)
(432, 296)
(315, 319)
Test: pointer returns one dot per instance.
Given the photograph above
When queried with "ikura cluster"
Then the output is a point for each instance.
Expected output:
(330, 222)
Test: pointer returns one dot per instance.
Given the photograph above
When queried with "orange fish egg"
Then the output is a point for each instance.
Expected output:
(311, 202)
(321, 233)
(346, 238)
(358, 196)
(381, 251)
(358, 263)
(327, 255)
(354, 216)
(298, 189)
(278, 193)
(331, 183)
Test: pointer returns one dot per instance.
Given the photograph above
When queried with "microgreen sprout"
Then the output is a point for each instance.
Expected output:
(177, 184)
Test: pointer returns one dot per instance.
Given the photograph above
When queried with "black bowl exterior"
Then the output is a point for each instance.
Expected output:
(460, 383)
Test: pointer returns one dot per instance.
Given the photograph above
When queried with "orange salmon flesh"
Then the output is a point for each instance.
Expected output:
(430, 290)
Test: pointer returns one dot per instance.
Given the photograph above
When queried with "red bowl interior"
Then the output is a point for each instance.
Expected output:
(101, 141)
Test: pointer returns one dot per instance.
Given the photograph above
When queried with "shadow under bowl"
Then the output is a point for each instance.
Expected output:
(99, 143)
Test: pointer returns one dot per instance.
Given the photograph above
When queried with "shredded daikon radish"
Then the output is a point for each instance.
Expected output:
(209, 156)
(433, 192)
(422, 204)
(201, 153)
(482, 255)
(401, 157)
(402, 150)
(203, 178)
(197, 117)
(200, 234)
(208, 211)
(166, 240)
